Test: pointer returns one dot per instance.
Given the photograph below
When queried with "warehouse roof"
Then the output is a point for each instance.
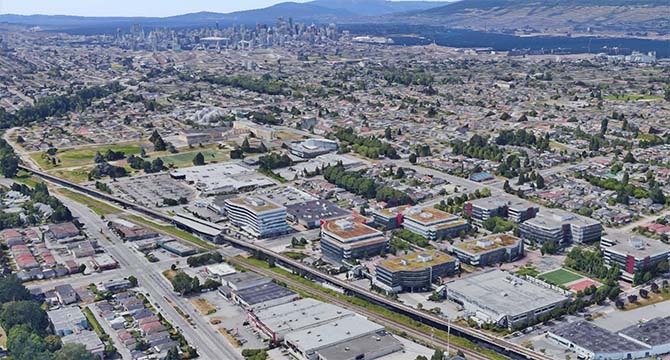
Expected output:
(333, 333)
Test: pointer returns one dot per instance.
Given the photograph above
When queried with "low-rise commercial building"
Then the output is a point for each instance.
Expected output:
(633, 253)
(645, 340)
(312, 148)
(277, 321)
(257, 216)
(560, 227)
(489, 250)
(504, 299)
(321, 342)
(348, 238)
(414, 272)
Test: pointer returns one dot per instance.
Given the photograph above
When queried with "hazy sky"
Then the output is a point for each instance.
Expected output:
(128, 7)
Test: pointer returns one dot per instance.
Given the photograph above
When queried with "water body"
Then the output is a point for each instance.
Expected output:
(424, 35)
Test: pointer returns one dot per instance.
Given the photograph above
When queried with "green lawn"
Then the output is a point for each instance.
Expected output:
(76, 175)
(186, 158)
(560, 277)
(98, 207)
(83, 155)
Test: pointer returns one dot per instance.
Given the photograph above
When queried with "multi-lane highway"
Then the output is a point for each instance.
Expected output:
(209, 343)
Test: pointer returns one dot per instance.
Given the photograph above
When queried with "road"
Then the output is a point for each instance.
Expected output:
(209, 343)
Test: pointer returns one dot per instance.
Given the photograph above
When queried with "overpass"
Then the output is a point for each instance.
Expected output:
(204, 228)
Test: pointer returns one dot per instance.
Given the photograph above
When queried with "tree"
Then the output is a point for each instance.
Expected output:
(173, 354)
(549, 247)
(53, 343)
(437, 355)
(412, 158)
(539, 182)
(184, 284)
(603, 126)
(73, 351)
(133, 280)
(24, 312)
(157, 140)
(245, 145)
(24, 344)
(11, 289)
(199, 159)
(629, 158)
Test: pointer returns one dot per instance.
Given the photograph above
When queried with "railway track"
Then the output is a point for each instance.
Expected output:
(380, 319)
(502, 346)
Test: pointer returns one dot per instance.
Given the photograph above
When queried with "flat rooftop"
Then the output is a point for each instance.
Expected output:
(594, 338)
(416, 261)
(392, 212)
(504, 293)
(256, 204)
(380, 342)
(636, 245)
(489, 243)
(332, 333)
(653, 332)
(316, 210)
(428, 215)
(262, 293)
(349, 228)
(495, 202)
(300, 314)
(217, 176)
(553, 218)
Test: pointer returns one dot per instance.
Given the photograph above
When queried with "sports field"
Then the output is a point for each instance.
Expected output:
(560, 277)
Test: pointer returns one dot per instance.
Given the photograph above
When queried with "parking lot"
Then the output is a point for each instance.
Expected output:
(149, 190)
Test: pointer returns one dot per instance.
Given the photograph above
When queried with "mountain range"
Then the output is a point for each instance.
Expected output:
(313, 11)
(638, 18)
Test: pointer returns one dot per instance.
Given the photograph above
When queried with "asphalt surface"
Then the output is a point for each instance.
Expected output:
(209, 342)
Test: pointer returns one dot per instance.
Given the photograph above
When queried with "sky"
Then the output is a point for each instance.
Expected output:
(129, 7)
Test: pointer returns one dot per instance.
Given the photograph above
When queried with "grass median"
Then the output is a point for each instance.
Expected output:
(98, 207)
(171, 230)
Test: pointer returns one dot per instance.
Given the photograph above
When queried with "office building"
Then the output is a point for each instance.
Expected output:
(561, 227)
(490, 250)
(431, 223)
(414, 272)
(257, 216)
(504, 299)
(389, 218)
(633, 253)
(512, 208)
(349, 238)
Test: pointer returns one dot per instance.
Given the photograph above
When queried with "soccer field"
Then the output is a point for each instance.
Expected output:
(560, 277)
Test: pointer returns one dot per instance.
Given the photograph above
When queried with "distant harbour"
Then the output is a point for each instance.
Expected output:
(460, 38)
